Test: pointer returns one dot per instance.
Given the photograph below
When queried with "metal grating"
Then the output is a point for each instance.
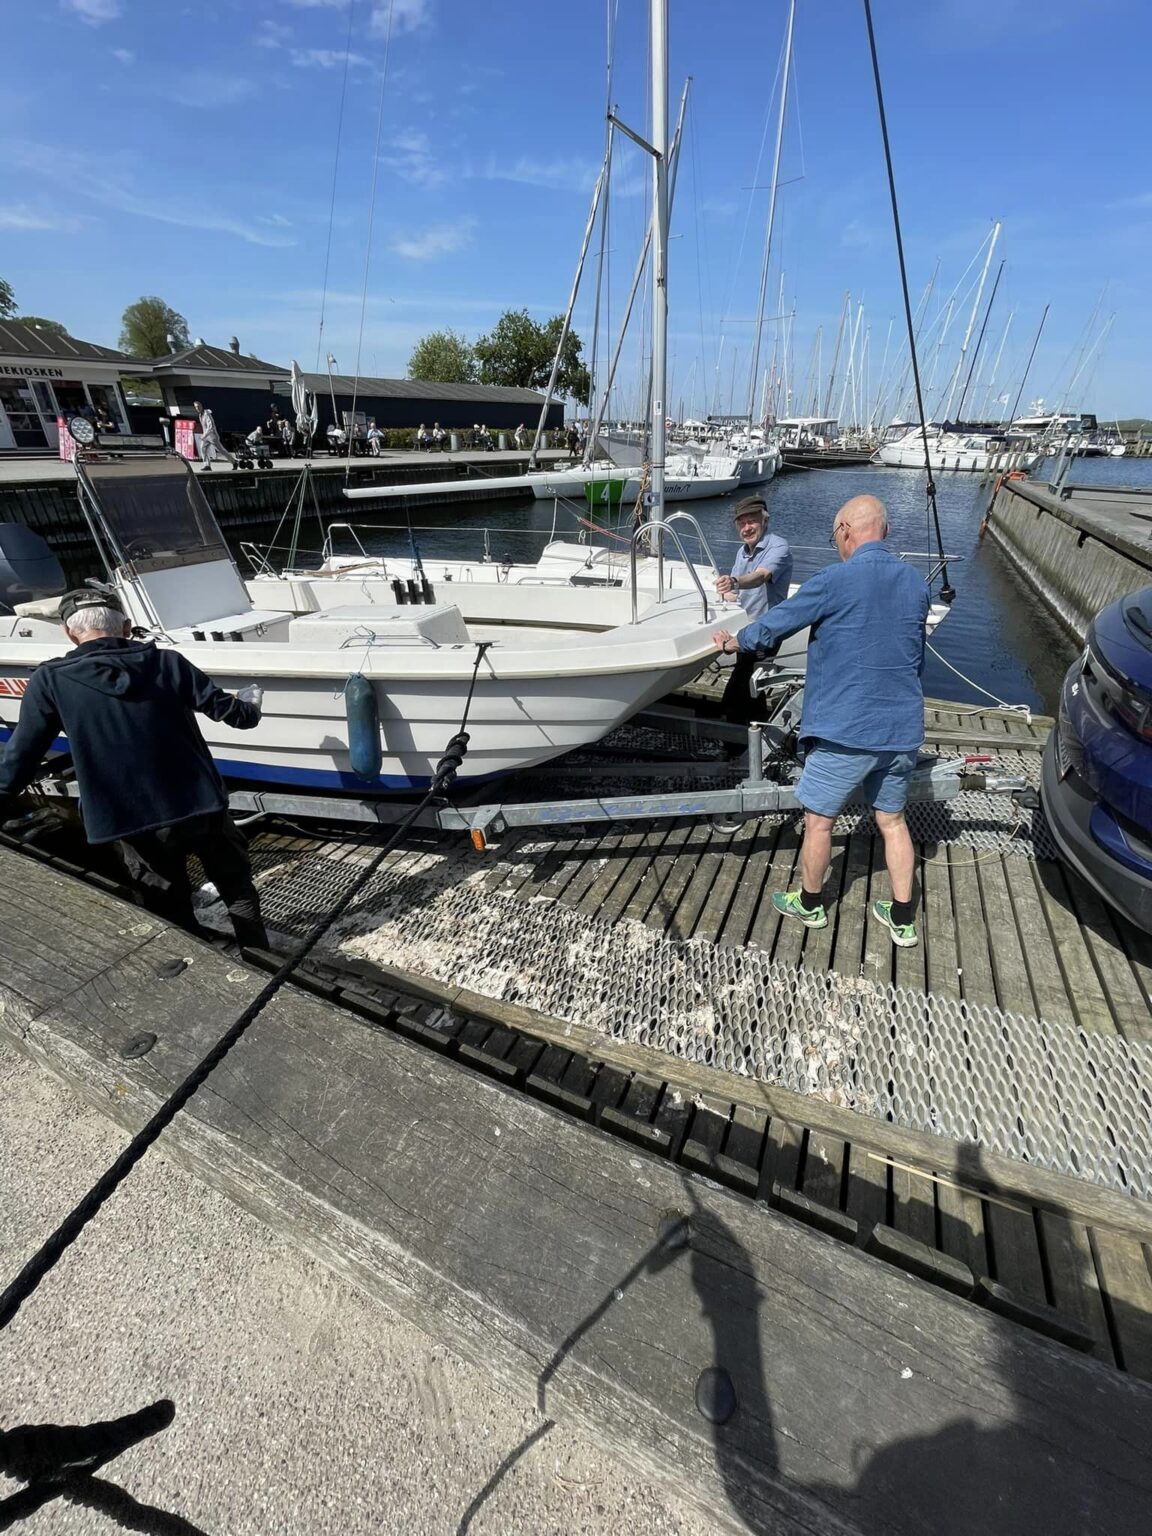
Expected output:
(1052, 1094)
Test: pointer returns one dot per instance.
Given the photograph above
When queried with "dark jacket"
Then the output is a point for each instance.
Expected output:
(127, 711)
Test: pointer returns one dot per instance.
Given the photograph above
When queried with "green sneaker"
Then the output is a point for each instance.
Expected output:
(788, 902)
(903, 934)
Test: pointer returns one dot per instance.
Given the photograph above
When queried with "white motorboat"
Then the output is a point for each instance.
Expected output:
(542, 689)
(903, 448)
(606, 485)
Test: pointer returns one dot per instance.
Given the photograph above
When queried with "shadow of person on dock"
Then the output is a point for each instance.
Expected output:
(1003, 1462)
(60, 1461)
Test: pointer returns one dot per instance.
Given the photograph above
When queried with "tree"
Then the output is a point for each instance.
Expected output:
(38, 323)
(145, 328)
(518, 353)
(442, 357)
(7, 300)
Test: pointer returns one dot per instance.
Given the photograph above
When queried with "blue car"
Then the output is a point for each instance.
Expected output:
(1097, 784)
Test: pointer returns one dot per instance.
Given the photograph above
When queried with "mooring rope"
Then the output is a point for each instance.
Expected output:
(45, 1259)
(947, 591)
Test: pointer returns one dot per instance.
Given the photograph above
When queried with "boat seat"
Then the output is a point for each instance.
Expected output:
(432, 624)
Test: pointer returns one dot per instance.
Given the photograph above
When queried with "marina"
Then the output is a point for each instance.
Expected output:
(599, 892)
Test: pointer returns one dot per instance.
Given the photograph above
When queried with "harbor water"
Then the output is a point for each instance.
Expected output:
(998, 642)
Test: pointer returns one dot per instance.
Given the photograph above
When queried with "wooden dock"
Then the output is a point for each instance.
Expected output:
(770, 1371)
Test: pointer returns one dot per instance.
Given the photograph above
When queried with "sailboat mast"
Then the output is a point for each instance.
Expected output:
(784, 77)
(659, 24)
(971, 321)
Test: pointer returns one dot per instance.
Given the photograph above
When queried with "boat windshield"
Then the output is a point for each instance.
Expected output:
(154, 512)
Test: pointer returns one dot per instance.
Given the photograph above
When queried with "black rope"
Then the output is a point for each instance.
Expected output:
(947, 590)
(43, 1261)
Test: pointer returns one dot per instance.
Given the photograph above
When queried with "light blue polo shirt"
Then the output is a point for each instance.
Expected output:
(770, 554)
(865, 652)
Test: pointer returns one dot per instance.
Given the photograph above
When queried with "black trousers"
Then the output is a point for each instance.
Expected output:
(157, 861)
(738, 706)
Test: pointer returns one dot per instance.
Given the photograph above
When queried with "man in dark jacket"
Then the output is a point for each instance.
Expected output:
(146, 778)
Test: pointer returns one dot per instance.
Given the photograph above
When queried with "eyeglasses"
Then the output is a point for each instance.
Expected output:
(835, 531)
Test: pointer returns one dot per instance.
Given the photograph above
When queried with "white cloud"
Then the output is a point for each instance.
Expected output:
(561, 173)
(413, 160)
(208, 88)
(124, 55)
(20, 216)
(272, 35)
(326, 58)
(438, 240)
(86, 176)
(94, 12)
(403, 15)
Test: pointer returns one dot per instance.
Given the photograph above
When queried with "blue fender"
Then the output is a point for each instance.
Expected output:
(365, 753)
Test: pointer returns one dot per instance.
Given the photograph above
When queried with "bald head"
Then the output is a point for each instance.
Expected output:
(862, 520)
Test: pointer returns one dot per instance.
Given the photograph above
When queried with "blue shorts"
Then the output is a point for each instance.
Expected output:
(833, 775)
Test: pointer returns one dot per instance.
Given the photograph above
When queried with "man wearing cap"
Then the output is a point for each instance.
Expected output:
(863, 715)
(146, 778)
(759, 581)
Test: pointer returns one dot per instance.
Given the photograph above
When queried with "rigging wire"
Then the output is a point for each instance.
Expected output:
(368, 242)
(335, 172)
(947, 591)
(54, 1248)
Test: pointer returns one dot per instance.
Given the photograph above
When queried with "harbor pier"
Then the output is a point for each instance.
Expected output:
(1079, 546)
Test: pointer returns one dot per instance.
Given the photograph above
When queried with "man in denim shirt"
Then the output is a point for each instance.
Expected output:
(759, 581)
(863, 719)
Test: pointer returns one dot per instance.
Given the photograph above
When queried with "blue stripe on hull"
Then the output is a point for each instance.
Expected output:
(301, 778)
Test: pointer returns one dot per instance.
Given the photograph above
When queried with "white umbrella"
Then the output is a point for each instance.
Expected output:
(304, 404)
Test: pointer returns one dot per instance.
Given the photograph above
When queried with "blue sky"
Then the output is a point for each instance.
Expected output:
(187, 150)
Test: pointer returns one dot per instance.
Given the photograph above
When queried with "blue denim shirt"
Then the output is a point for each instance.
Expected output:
(865, 653)
(770, 554)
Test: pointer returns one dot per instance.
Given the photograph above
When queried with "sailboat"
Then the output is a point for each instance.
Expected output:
(364, 696)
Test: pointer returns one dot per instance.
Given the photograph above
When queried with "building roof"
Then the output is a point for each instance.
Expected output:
(205, 359)
(20, 340)
(421, 389)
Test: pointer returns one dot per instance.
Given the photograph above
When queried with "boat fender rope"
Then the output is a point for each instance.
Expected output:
(45, 1259)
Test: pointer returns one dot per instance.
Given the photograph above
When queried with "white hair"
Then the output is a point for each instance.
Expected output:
(99, 620)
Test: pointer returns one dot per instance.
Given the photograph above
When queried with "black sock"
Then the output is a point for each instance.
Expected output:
(810, 900)
(902, 913)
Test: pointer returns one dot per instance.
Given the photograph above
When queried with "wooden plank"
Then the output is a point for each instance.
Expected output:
(665, 912)
(866, 1196)
(697, 895)
(1124, 994)
(1085, 995)
(820, 942)
(1072, 1279)
(637, 852)
(1122, 1266)
(938, 920)
(848, 942)
(738, 921)
(714, 909)
(1010, 974)
(876, 962)
(663, 861)
(1045, 979)
(914, 1205)
(823, 1176)
(783, 1148)
(1014, 1249)
(747, 1130)
(960, 1215)
(974, 969)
